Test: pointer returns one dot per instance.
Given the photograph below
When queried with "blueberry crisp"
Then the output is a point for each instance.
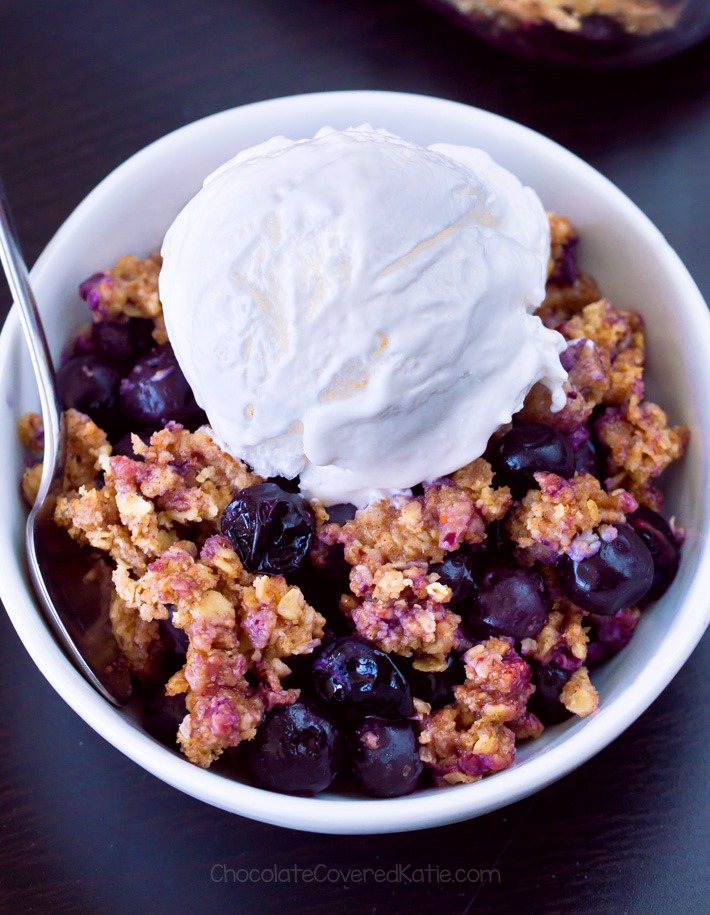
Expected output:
(417, 638)
(592, 32)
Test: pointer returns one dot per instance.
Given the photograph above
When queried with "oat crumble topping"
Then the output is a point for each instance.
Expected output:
(642, 17)
(155, 519)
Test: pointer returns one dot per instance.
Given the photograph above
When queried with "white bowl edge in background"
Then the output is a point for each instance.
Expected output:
(128, 213)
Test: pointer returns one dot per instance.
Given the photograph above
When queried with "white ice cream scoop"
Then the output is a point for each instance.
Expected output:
(357, 309)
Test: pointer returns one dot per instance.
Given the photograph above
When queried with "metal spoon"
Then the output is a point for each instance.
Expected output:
(70, 596)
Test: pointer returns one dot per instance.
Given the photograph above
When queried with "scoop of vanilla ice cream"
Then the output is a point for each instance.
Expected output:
(357, 309)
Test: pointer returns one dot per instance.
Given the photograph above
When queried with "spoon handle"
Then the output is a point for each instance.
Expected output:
(19, 283)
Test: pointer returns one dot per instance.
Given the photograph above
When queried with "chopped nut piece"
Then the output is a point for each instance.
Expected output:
(578, 695)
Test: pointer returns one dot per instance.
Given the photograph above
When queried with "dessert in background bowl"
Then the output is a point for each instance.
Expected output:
(586, 33)
(604, 217)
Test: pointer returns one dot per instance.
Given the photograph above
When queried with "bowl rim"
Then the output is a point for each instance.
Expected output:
(582, 739)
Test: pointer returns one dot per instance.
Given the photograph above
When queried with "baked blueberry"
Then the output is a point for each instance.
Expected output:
(437, 686)
(156, 392)
(511, 601)
(586, 459)
(356, 678)
(656, 533)
(90, 384)
(123, 340)
(341, 513)
(324, 584)
(384, 756)
(545, 702)
(124, 443)
(565, 272)
(90, 289)
(618, 575)
(459, 571)
(608, 635)
(524, 451)
(270, 529)
(497, 546)
(175, 639)
(163, 714)
(296, 750)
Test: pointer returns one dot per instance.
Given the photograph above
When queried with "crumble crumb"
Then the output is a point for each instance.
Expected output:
(579, 695)
(236, 623)
(464, 741)
(31, 432)
(604, 361)
(183, 478)
(640, 445)
(404, 611)
(30, 483)
(562, 641)
(138, 639)
(86, 445)
(618, 336)
(129, 289)
(566, 514)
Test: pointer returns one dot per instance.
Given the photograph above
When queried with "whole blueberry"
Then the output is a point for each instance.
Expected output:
(459, 570)
(324, 584)
(437, 686)
(598, 28)
(511, 601)
(124, 443)
(90, 384)
(497, 546)
(384, 756)
(618, 575)
(163, 714)
(565, 272)
(527, 449)
(656, 533)
(586, 459)
(296, 750)
(608, 635)
(341, 513)
(356, 678)
(175, 639)
(156, 392)
(301, 675)
(270, 529)
(123, 340)
(545, 701)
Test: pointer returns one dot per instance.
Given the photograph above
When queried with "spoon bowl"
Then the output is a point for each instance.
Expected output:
(63, 575)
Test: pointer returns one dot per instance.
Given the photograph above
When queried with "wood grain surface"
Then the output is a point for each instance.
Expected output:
(85, 84)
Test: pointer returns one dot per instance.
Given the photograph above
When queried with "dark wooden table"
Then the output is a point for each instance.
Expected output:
(83, 85)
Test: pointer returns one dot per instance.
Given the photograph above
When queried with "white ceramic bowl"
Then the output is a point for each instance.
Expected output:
(129, 212)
